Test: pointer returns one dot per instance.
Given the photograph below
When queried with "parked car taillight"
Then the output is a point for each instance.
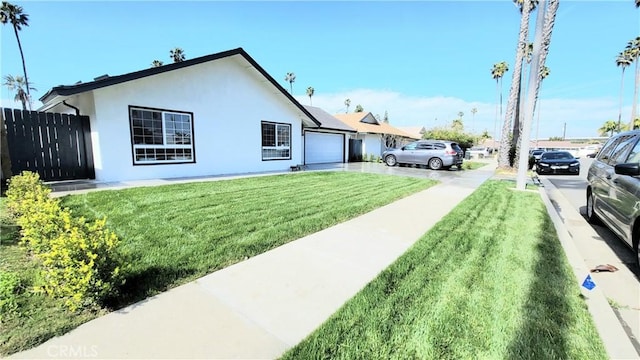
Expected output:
(451, 152)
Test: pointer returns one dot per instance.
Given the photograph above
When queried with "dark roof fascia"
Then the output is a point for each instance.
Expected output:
(332, 129)
(279, 87)
(67, 90)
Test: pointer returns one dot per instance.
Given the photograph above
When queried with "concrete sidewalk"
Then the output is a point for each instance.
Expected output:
(618, 328)
(261, 307)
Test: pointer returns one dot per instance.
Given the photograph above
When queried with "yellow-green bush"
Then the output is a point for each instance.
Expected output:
(79, 258)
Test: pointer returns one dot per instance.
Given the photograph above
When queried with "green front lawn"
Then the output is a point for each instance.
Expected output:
(176, 233)
(489, 281)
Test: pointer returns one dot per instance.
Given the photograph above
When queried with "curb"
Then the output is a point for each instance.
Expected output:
(615, 339)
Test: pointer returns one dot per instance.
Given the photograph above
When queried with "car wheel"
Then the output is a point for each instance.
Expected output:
(390, 160)
(435, 163)
(591, 214)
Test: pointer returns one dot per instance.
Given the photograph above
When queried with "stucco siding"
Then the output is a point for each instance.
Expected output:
(372, 144)
(228, 102)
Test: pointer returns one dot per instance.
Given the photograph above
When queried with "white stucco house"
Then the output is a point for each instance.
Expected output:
(330, 142)
(376, 136)
(216, 114)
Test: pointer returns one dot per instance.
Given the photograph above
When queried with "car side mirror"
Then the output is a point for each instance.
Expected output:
(577, 157)
(402, 148)
(631, 169)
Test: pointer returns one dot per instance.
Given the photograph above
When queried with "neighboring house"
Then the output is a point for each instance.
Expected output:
(216, 114)
(415, 131)
(376, 136)
(330, 142)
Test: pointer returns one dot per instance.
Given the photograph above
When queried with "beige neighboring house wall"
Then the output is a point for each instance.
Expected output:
(376, 136)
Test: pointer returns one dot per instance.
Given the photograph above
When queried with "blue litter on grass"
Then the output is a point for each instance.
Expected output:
(588, 283)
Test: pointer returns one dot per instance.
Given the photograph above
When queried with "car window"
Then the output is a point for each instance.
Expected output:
(634, 155)
(604, 154)
(619, 153)
(556, 156)
(425, 146)
(457, 148)
(410, 146)
(439, 146)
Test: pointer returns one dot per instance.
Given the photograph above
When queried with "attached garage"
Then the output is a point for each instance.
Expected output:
(323, 147)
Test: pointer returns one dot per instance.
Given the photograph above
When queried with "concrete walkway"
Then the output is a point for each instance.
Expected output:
(259, 308)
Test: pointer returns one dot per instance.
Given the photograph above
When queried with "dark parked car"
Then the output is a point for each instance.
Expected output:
(537, 153)
(613, 192)
(558, 162)
(437, 154)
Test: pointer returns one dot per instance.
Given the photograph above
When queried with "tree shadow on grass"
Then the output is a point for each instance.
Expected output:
(549, 316)
(140, 285)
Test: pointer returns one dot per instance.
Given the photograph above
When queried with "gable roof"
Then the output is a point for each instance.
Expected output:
(104, 81)
(355, 120)
(328, 121)
(415, 131)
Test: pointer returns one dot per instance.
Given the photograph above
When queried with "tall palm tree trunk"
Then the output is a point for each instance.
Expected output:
(505, 141)
(24, 66)
(634, 107)
(621, 93)
(547, 29)
(495, 122)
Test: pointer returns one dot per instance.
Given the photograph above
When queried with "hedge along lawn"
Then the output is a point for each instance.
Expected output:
(174, 234)
(489, 281)
(177, 233)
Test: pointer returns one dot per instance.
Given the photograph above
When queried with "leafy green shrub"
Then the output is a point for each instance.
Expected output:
(463, 139)
(9, 287)
(79, 258)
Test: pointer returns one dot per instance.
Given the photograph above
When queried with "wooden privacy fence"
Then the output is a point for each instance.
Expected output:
(56, 146)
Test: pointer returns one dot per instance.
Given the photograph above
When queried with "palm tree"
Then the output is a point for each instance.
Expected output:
(359, 108)
(157, 63)
(543, 74)
(473, 118)
(623, 60)
(497, 72)
(13, 14)
(18, 85)
(525, 7)
(290, 78)
(177, 55)
(310, 92)
(633, 48)
(608, 128)
(347, 103)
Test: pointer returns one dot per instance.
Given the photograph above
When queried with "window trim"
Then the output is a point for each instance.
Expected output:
(262, 147)
(160, 162)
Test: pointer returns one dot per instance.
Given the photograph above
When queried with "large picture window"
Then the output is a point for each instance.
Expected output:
(160, 136)
(276, 141)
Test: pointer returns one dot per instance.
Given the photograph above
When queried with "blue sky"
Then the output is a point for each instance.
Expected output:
(421, 61)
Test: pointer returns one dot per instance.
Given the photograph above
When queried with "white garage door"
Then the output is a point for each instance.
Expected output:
(323, 148)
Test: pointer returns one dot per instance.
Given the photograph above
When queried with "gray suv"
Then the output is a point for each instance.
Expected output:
(437, 154)
(613, 192)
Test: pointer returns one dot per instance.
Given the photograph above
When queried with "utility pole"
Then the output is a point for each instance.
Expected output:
(564, 131)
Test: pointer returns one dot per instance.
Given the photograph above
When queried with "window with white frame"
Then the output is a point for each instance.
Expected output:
(276, 141)
(161, 136)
